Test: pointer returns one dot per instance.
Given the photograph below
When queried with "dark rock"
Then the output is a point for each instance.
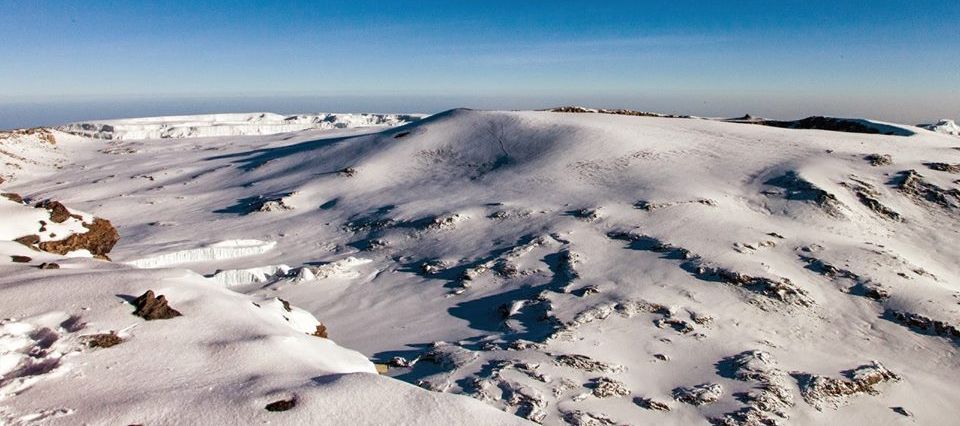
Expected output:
(20, 259)
(282, 405)
(50, 265)
(150, 307)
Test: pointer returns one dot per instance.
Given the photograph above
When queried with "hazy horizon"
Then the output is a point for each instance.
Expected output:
(69, 61)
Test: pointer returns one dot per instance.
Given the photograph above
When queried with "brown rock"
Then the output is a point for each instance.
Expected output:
(321, 331)
(50, 265)
(20, 259)
(58, 212)
(151, 307)
(28, 240)
(104, 340)
(12, 197)
(99, 240)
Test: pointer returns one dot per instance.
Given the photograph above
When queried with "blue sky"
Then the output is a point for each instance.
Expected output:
(65, 60)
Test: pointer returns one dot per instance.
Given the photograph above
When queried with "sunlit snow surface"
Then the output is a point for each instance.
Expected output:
(562, 267)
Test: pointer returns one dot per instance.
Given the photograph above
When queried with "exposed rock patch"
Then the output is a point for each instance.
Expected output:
(783, 290)
(703, 394)
(944, 167)
(792, 187)
(151, 307)
(98, 240)
(58, 212)
(16, 198)
(878, 160)
(605, 387)
(913, 184)
(768, 401)
(924, 325)
(585, 363)
(321, 331)
(104, 340)
(822, 391)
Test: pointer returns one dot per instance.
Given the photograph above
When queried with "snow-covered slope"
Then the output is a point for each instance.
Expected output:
(73, 352)
(212, 125)
(579, 268)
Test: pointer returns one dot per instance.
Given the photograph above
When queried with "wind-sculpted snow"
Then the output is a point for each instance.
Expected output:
(563, 268)
(222, 250)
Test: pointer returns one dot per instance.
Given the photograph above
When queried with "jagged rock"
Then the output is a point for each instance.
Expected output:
(702, 394)
(150, 307)
(48, 265)
(605, 387)
(820, 391)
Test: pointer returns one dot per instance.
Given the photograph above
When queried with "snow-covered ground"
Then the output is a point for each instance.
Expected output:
(215, 125)
(563, 267)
